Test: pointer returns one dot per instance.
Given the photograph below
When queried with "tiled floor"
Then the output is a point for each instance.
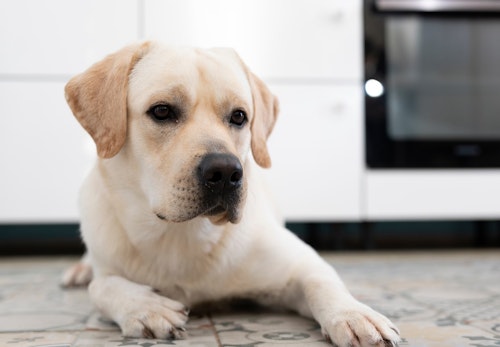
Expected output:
(436, 299)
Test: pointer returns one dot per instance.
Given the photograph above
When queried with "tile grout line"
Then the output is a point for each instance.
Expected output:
(216, 334)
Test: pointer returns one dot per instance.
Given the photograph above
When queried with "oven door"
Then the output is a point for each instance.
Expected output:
(432, 83)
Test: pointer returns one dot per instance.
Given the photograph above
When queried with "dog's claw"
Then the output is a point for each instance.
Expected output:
(178, 333)
(147, 333)
(388, 343)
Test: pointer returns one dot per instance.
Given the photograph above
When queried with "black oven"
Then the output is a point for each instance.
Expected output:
(432, 83)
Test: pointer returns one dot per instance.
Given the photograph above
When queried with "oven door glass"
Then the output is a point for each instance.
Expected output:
(438, 97)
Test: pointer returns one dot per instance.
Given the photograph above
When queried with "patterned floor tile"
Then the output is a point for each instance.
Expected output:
(427, 334)
(445, 299)
(41, 321)
(267, 329)
(115, 339)
(104, 333)
(32, 300)
(37, 339)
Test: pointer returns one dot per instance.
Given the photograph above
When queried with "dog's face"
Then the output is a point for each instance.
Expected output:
(189, 124)
(183, 120)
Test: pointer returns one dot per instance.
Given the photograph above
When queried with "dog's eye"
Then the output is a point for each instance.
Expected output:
(238, 118)
(162, 112)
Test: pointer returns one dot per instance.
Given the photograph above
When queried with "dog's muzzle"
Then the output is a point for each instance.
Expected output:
(221, 179)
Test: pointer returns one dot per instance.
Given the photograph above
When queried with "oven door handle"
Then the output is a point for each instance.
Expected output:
(438, 5)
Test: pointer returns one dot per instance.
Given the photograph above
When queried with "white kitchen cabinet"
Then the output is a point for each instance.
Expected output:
(43, 156)
(278, 39)
(59, 37)
(316, 150)
(308, 51)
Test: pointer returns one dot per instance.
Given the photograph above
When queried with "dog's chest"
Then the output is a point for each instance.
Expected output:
(190, 268)
(191, 281)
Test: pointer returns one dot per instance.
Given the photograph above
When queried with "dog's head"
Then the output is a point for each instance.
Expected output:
(181, 121)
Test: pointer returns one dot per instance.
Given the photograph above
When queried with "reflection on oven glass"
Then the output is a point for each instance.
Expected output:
(374, 88)
(443, 77)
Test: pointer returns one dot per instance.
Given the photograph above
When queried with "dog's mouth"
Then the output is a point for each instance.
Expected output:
(219, 209)
(218, 215)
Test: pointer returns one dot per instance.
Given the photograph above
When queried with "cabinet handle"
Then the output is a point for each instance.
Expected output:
(337, 16)
(338, 109)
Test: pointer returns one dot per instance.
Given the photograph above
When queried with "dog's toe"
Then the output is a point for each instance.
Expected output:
(153, 325)
(157, 317)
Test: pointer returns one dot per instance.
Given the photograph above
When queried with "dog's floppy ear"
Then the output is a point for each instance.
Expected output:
(98, 98)
(266, 108)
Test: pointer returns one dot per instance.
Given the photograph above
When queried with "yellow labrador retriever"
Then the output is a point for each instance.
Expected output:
(175, 212)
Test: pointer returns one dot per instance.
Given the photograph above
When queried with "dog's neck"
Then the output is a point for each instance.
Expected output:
(196, 232)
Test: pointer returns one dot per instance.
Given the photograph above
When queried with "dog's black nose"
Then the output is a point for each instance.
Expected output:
(220, 173)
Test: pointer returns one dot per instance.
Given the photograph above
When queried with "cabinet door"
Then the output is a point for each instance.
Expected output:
(317, 153)
(42, 154)
(278, 39)
(62, 37)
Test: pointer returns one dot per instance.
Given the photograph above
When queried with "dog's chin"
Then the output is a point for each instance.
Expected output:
(217, 215)
(220, 215)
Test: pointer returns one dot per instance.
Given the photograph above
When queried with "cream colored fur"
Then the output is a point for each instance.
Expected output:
(152, 249)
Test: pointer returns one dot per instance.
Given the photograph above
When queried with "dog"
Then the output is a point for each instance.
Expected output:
(175, 212)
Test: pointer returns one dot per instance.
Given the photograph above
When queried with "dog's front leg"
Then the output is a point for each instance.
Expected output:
(344, 320)
(137, 309)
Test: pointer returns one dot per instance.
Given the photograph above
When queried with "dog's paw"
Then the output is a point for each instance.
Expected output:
(155, 317)
(360, 326)
(79, 274)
